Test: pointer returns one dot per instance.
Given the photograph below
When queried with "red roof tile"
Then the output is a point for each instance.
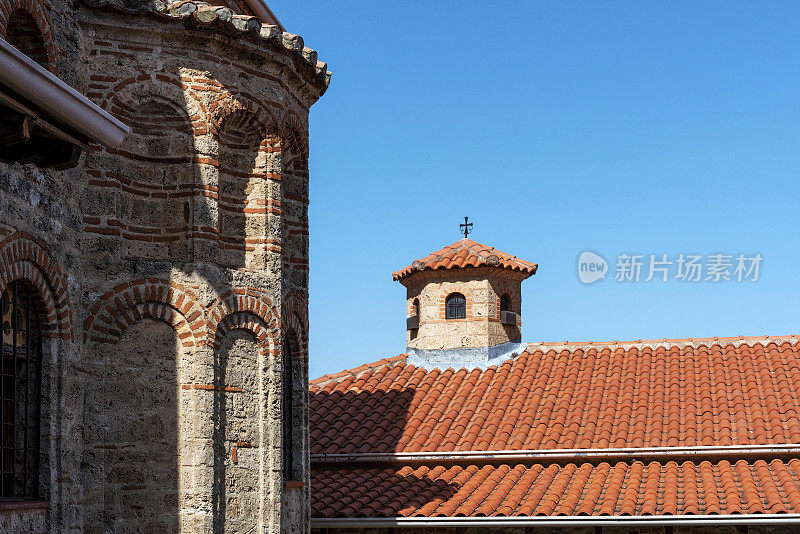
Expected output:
(466, 253)
(669, 393)
(578, 396)
(621, 489)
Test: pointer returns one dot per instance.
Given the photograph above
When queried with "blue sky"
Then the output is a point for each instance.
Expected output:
(559, 127)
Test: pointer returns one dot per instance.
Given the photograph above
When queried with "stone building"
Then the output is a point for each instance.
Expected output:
(458, 314)
(153, 267)
(472, 432)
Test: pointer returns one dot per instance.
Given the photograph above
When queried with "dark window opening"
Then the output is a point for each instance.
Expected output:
(20, 390)
(288, 410)
(456, 306)
(416, 307)
(23, 33)
(505, 303)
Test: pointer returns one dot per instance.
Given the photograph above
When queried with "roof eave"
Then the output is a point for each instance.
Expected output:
(264, 13)
(43, 89)
(404, 275)
(203, 15)
(556, 521)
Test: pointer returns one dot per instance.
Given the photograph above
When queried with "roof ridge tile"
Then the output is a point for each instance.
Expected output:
(466, 252)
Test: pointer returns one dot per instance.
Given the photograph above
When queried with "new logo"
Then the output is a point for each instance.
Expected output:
(591, 267)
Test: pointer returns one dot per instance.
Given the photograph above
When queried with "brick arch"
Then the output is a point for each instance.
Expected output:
(37, 10)
(294, 133)
(263, 332)
(443, 301)
(248, 307)
(117, 99)
(514, 305)
(293, 126)
(294, 317)
(22, 257)
(229, 102)
(162, 300)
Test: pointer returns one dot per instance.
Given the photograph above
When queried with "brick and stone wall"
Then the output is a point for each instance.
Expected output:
(482, 287)
(171, 270)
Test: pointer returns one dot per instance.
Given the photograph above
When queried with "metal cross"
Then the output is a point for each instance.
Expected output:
(466, 227)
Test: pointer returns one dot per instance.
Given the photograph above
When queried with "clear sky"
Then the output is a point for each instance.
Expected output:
(558, 127)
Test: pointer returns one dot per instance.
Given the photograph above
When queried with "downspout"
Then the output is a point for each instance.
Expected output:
(264, 13)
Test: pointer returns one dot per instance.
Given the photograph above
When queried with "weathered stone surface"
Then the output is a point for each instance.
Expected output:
(172, 269)
(483, 288)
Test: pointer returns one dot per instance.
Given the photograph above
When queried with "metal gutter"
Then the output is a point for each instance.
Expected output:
(567, 455)
(264, 13)
(57, 99)
(557, 521)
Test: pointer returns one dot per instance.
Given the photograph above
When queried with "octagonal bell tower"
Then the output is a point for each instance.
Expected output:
(463, 305)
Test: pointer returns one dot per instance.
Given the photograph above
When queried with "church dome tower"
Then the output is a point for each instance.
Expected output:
(464, 305)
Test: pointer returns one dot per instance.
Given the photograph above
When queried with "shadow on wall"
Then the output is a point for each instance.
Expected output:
(235, 421)
(133, 437)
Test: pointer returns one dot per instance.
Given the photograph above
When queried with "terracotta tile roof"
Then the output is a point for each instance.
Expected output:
(573, 396)
(466, 253)
(623, 488)
(733, 392)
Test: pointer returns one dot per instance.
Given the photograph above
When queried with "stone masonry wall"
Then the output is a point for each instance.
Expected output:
(171, 270)
(482, 288)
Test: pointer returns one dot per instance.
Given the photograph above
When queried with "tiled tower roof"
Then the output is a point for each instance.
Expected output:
(466, 253)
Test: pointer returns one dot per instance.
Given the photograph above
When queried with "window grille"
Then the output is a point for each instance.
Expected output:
(456, 306)
(20, 390)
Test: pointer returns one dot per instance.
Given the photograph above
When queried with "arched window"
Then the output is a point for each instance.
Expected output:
(288, 410)
(416, 307)
(505, 303)
(456, 306)
(21, 342)
(23, 33)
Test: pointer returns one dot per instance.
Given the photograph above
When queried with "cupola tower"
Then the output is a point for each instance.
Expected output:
(464, 304)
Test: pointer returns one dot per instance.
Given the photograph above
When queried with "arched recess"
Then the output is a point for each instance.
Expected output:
(22, 257)
(133, 417)
(136, 408)
(26, 259)
(242, 329)
(26, 25)
(452, 290)
(161, 300)
(153, 172)
(294, 392)
(236, 420)
(294, 318)
(246, 159)
(237, 305)
(294, 199)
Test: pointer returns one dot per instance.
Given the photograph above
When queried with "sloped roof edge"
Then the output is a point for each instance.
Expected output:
(57, 98)
(466, 253)
(205, 14)
(578, 345)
